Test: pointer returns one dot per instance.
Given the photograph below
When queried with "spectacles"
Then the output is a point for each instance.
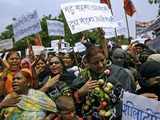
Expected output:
(55, 62)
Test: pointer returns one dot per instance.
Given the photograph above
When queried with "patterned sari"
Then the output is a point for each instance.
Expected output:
(31, 107)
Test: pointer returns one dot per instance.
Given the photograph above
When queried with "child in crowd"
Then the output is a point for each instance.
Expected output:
(66, 109)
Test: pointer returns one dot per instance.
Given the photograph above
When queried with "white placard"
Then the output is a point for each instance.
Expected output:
(6, 44)
(142, 26)
(79, 47)
(54, 44)
(83, 16)
(26, 25)
(95, 1)
(36, 50)
(136, 107)
(120, 30)
(64, 45)
(55, 28)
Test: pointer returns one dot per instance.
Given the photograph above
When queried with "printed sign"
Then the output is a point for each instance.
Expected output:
(6, 44)
(60, 46)
(37, 50)
(55, 28)
(83, 16)
(79, 47)
(96, 1)
(120, 30)
(136, 107)
(26, 25)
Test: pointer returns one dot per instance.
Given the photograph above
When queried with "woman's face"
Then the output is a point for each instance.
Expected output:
(97, 63)
(25, 65)
(40, 66)
(14, 61)
(20, 83)
(68, 62)
(56, 66)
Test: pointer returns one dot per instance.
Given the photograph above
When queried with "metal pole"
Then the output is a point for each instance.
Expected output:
(127, 27)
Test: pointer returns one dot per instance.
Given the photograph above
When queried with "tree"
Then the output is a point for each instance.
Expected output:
(93, 35)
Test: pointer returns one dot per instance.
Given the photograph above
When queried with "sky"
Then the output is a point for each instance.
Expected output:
(15, 8)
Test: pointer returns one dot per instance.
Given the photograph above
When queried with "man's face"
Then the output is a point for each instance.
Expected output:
(97, 63)
(118, 58)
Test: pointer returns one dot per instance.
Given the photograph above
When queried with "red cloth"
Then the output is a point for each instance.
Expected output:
(129, 7)
(107, 2)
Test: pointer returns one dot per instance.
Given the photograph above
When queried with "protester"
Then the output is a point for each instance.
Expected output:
(119, 57)
(69, 63)
(2, 83)
(32, 104)
(25, 63)
(150, 80)
(13, 60)
(154, 57)
(59, 79)
(66, 109)
(99, 67)
(42, 71)
(50, 55)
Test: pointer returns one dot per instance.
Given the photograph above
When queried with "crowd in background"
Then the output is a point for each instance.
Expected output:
(76, 86)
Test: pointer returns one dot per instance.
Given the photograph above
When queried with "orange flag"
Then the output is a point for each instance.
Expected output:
(37, 40)
(107, 2)
(129, 7)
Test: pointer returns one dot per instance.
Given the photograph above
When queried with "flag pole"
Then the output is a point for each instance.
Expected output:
(129, 9)
(115, 30)
(128, 31)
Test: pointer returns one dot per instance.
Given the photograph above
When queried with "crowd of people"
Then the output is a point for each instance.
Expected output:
(73, 86)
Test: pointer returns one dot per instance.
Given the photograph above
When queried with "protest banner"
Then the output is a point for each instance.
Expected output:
(55, 44)
(141, 26)
(59, 45)
(120, 29)
(79, 47)
(71, 1)
(83, 16)
(6, 44)
(155, 25)
(36, 50)
(136, 107)
(55, 28)
(26, 25)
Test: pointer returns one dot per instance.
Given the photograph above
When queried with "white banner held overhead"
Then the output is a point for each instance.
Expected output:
(120, 29)
(67, 1)
(26, 25)
(55, 28)
(136, 107)
(79, 47)
(55, 44)
(83, 16)
(36, 50)
(141, 26)
(6, 44)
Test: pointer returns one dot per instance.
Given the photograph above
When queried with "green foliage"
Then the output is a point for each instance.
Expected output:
(8, 33)
(93, 35)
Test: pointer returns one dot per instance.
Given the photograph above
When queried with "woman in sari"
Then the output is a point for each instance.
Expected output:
(13, 59)
(28, 104)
